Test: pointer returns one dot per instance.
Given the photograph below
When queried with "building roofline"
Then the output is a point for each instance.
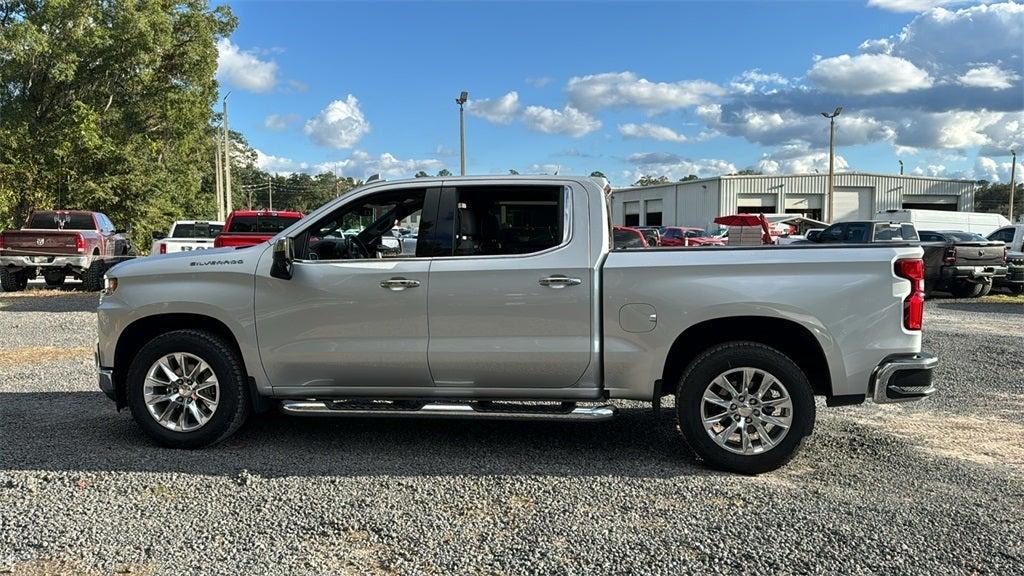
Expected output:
(803, 175)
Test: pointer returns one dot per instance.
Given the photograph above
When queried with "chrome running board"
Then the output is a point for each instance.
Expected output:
(479, 410)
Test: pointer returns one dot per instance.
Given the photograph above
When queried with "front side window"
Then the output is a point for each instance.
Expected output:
(501, 220)
(363, 229)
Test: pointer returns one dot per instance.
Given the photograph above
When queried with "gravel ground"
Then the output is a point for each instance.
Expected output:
(931, 487)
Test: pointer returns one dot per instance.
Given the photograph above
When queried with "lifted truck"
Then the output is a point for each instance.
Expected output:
(250, 227)
(531, 315)
(61, 243)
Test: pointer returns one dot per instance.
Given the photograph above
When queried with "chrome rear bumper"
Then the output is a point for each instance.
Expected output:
(903, 378)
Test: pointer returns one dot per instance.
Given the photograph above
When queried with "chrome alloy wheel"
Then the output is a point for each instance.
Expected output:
(746, 410)
(181, 392)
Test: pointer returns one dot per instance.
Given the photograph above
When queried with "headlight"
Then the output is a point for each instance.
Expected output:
(109, 285)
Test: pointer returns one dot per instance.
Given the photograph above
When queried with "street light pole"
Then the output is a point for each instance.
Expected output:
(227, 159)
(832, 159)
(901, 167)
(461, 100)
(1013, 179)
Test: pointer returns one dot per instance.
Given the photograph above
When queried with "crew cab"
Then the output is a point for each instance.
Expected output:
(250, 227)
(60, 243)
(1013, 237)
(961, 263)
(186, 235)
(514, 306)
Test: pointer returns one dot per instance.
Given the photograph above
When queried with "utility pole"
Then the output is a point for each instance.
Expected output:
(218, 180)
(461, 100)
(227, 158)
(1013, 179)
(832, 159)
(901, 167)
(270, 187)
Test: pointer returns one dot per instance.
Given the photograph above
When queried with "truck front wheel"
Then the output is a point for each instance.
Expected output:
(744, 407)
(187, 389)
(12, 281)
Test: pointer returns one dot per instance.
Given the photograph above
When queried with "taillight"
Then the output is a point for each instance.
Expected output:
(79, 243)
(2, 242)
(949, 256)
(163, 248)
(1006, 254)
(913, 307)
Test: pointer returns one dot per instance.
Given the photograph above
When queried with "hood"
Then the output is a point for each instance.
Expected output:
(219, 259)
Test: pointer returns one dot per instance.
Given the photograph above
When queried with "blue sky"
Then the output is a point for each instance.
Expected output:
(628, 88)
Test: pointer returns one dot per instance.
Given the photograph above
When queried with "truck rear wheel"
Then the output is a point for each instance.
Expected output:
(966, 289)
(744, 407)
(12, 281)
(985, 288)
(188, 389)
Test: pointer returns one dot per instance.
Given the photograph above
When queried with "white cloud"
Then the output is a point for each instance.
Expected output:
(568, 120)
(340, 125)
(990, 76)
(773, 128)
(798, 159)
(626, 89)
(652, 131)
(278, 164)
(878, 46)
(279, 122)
(909, 5)
(243, 69)
(675, 167)
(868, 74)
(986, 168)
(539, 81)
(957, 129)
(361, 165)
(550, 169)
(932, 170)
(500, 110)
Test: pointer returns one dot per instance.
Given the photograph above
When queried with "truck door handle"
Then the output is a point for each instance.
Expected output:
(558, 281)
(398, 283)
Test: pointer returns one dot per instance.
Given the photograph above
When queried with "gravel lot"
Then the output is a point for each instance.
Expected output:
(932, 487)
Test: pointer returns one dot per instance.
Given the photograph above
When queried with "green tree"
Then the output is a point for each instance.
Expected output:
(647, 180)
(747, 172)
(598, 174)
(689, 177)
(994, 197)
(422, 174)
(444, 173)
(513, 172)
(107, 106)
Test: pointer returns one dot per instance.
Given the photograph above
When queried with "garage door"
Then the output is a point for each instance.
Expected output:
(931, 202)
(853, 203)
(756, 203)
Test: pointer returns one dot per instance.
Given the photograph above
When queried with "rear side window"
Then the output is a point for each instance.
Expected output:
(61, 221)
(197, 230)
(857, 232)
(261, 224)
(497, 220)
(1004, 235)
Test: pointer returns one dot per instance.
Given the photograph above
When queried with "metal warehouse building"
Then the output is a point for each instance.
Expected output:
(858, 196)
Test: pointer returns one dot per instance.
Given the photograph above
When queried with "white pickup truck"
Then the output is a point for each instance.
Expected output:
(185, 236)
(514, 306)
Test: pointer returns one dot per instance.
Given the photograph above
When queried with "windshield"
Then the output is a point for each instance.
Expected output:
(197, 230)
(262, 224)
(61, 221)
(966, 236)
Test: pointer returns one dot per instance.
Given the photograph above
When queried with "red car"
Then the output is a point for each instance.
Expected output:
(252, 227)
(686, 236)
(623, 237)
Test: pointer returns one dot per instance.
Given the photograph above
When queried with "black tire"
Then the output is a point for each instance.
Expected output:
(12, 281)
(985, 289)
(966, 289)
(233, 403)
(92, 277)
(731, 355)
(1016, 289)
(54, 279)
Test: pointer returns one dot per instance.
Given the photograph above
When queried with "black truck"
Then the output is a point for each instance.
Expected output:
(961, 263)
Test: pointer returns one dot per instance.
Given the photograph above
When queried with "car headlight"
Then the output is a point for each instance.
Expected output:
(109, 285)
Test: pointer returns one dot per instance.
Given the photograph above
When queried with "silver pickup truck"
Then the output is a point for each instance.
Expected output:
(513, 306)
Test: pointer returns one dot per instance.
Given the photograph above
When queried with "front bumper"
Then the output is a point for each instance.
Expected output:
(73, 262)
(973, 272)
(903, 378)
(106, 377)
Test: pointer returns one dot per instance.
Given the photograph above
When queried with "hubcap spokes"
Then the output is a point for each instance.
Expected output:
(181, 392)
(746, 410)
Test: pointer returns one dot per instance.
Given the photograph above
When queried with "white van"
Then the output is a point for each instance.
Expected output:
(977, 222)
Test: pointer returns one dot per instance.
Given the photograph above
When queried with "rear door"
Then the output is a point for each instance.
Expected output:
(510, 287)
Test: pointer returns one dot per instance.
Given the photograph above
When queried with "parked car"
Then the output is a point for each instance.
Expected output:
(1013, 237)
(186, 235)
(687, 236)
(652, 234)
(60, 243)
(530, 313)
(961, 263)
(977, 222)
(250, 227)
(866, 232)
(625, 237)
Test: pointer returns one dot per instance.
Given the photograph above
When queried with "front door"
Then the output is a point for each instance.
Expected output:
(353, 317)
(510, 299)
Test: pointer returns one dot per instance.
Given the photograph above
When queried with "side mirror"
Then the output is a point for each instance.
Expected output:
(158, 235)
(284, 250)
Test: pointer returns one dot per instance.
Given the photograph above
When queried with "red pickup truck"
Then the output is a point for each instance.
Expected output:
(61, 243)
(252, 227)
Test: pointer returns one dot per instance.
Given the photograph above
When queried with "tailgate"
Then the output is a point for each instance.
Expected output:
(40, 242)
(240, 239)
(979, 253)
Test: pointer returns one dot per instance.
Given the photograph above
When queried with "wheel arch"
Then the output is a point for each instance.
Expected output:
(787, 336)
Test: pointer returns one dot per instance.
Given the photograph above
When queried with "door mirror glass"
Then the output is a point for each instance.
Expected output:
(284, 250)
